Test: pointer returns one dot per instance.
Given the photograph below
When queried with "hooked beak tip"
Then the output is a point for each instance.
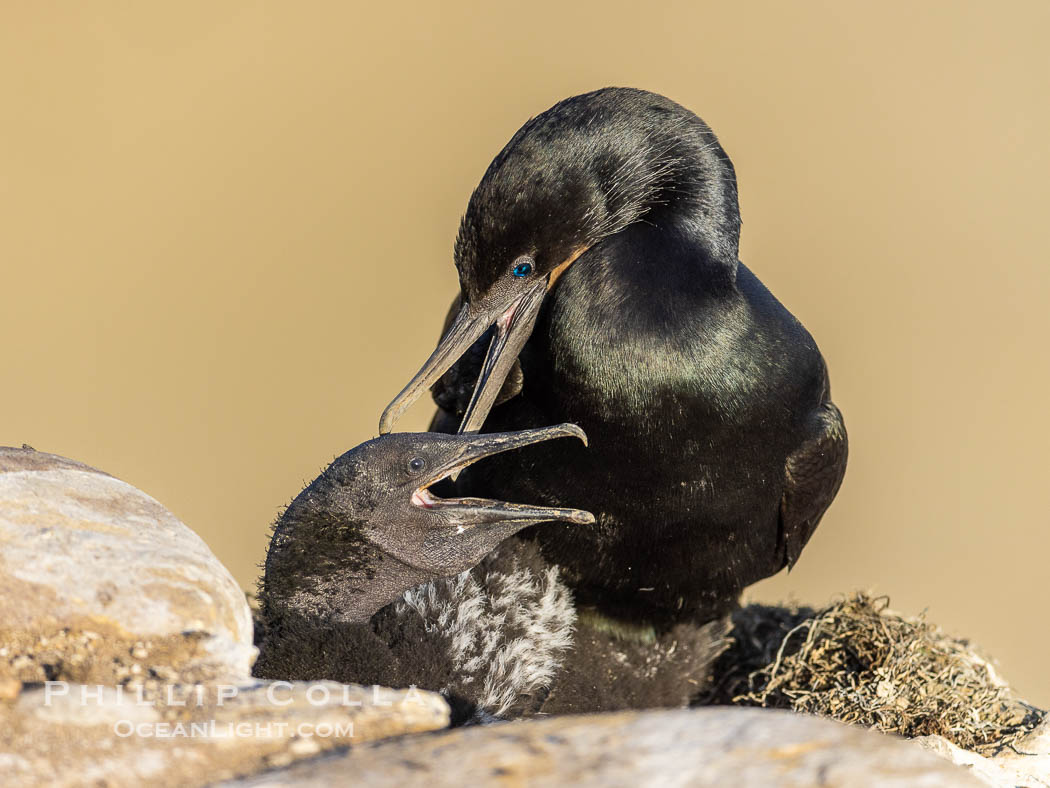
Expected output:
(389, 417)
(575, 431)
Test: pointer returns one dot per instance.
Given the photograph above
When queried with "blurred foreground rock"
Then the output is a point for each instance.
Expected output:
(74, 735)
(101, 582)
(696, 747)
(1026, 764)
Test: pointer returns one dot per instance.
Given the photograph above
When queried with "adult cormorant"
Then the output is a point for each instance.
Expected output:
(600, 285)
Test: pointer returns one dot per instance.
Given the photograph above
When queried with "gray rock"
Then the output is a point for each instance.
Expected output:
(698, 747)
(97, 578)
(69, 735)
(1028, 766)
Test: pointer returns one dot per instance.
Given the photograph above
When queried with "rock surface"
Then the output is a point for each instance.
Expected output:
(698, 747)
(98, 578)
(73, 735)
(1029, 766)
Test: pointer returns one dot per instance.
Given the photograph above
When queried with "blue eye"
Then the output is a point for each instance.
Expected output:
(522, 269)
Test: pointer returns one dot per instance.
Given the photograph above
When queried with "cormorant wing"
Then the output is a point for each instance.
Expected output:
(453, 391)
(812, 476)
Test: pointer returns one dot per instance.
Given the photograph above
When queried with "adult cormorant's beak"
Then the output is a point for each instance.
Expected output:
(514, 321)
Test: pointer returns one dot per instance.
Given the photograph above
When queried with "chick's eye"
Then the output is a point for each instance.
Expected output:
(524, 268)
(416, 464)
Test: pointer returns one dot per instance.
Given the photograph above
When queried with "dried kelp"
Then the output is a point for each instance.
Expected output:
(858, 662)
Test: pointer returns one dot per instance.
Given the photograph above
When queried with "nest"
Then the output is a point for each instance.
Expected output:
(858, 662)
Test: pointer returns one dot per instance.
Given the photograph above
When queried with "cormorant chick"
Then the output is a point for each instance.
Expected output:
(367, 530)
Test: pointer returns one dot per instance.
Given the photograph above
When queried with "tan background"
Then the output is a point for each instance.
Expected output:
(226, 232)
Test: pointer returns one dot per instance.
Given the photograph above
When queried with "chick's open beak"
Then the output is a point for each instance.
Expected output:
(469, 512)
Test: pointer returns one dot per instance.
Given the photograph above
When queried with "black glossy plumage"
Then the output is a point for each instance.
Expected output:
(714, 446)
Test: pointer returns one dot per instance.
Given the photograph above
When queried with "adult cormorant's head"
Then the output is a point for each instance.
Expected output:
(369, 526)
(569, 179)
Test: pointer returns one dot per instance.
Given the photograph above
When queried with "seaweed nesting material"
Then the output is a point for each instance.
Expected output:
(858, 662)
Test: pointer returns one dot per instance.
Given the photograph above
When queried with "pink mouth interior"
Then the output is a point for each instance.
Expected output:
(423, 498)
